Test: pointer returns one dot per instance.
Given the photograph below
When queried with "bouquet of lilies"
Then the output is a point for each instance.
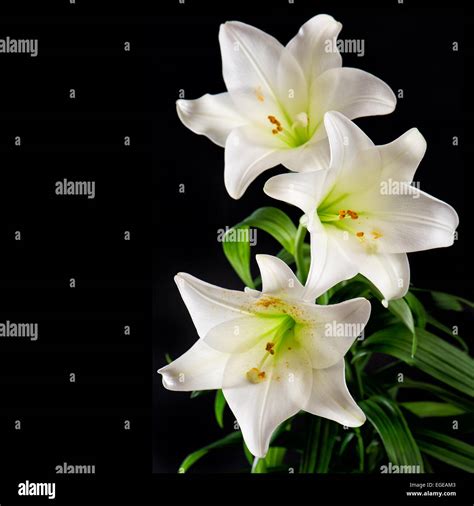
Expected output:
(292, 354)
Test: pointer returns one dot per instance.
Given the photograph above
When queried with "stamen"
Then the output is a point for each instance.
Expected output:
(360, 234)
(342, 214)
(255, 375)
(274, 121)
(259, 94)
(352, 214)
(269, 348)
(376, 235)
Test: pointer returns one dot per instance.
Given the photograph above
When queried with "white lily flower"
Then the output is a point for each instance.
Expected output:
(363, 214)
(273, 353)
(277, 96)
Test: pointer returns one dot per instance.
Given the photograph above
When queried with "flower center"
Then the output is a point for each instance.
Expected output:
(292, 131)
(271, 343)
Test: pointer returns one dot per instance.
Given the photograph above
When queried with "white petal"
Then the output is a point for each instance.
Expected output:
(329, 262)
(252, 292)
(211, 115)
(332, 330)
(311, 156)
(278, 278)
(331, 399)
(241, 334)
(401, 158)
(210, 305)
(352, 92)
(311, 46)
(346, 141)
(247, 155)
(302, 190)
(390, 273)
(200, 368)
(413, 221)
(260, 407)
(255, 63)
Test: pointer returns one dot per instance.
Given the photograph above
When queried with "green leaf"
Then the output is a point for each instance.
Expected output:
(463, 404)
(402, 311)
(269, 219)
(319, 446)
(446, 449)
(444, 328)
(426, 409)
(230, 440)
(219, 406)
(302, 268)
(446, 301)
(434, 356)
(389, 422)
(345, 442)
(276, 223)
(238, 254)
(417, 309)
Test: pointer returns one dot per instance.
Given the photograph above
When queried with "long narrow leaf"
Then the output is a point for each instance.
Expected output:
(447, 449)
(389, 422)
(434, 356)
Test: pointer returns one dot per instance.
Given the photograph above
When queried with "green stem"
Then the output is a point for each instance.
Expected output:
(360, 446)
(301, 270)
(308, 462)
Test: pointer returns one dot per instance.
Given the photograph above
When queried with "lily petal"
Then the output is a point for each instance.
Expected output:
(277, 277)
(390, 273)
(247, 155)
(210, 305)
(256, 64)
(200, 368)
(311, 156)
(333, 330)
(331, 399)
(211, 115)
(241, 334)
(310, 46)
(401, 158)
(353, 92)
(412, 221)
(260, 407)
(302, 190)
(346, 140)
(330, 264)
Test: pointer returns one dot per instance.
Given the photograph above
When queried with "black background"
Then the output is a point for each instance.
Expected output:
(81, 330)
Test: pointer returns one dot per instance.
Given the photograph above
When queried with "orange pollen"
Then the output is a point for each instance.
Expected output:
(360, 234)
(352, 214)
(259, 94)
(342, 214)
(261, 375)
(274, 121)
